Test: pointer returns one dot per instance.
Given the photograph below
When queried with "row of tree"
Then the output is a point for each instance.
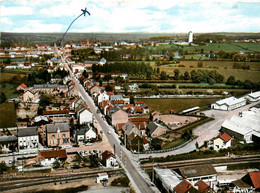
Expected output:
(126, 67)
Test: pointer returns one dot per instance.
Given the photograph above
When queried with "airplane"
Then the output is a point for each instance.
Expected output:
(85, 11)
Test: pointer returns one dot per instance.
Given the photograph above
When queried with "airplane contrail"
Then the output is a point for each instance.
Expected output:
(84, 11)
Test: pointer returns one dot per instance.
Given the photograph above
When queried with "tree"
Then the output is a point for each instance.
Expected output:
(44, 101)
(2, 97)
(132, 99)
(93, 161)
(163, 75)
(197, 145)
(231, 80)
(186, 76)
(176, 74)
(200, 64)
(156, 143)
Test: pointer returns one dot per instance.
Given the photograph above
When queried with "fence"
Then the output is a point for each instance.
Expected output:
(165, 150)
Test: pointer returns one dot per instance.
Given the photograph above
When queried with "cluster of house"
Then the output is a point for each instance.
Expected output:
(47, 49)
(202, 179)
(48, 158)
(52, 135)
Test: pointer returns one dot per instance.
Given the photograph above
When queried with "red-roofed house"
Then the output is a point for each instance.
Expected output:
(185, 186)
(47, 158)
(249, 183)
(108, 159)
(203, 187)
(223, 141)
(21, 87)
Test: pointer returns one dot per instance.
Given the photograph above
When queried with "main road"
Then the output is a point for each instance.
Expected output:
(139, 179)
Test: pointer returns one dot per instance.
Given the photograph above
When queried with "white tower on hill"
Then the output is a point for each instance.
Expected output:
(190, 37)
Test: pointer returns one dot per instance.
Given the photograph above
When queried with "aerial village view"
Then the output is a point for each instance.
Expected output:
(129, 96)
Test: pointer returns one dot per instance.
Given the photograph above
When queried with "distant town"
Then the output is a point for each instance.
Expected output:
(163, 113)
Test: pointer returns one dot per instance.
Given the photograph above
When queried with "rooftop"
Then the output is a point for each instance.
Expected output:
(28, 131)
(196, 171)
(53, 128)
(168, 177)
(54, 153)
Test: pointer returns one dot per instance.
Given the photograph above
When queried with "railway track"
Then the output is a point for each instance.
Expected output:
(21, 182)
(213, 161)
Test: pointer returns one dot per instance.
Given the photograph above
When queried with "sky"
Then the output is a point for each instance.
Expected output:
(155, 16)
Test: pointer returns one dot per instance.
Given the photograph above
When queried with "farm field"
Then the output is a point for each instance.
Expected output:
(225, 47)
(6, 77)
(179, 104)
(234, 92)
(7, 115)
(225, 68)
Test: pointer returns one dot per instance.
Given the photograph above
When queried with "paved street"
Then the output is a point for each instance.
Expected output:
(137, 176)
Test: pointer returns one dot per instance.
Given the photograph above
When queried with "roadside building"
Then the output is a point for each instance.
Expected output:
(108, 159)
(58, 134)
(84, 135)
(167, 178)
(222, 141)
(85, 116)
(119, 116)
(28, 139)
(229, 104)
(48, 158)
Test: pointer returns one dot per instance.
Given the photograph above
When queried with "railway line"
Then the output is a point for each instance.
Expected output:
(213, 161)
(8, 184)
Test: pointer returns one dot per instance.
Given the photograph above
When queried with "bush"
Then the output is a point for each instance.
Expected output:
(122, 181)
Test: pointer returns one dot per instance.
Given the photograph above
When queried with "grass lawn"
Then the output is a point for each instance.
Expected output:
(174, 143)
(7, 115)
(179, 104)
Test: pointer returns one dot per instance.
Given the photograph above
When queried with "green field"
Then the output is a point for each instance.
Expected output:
(174, 143)
(179, 104)
(7, 115)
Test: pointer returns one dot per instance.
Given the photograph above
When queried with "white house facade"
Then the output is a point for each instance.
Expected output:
(85, 116)
(28, 139)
